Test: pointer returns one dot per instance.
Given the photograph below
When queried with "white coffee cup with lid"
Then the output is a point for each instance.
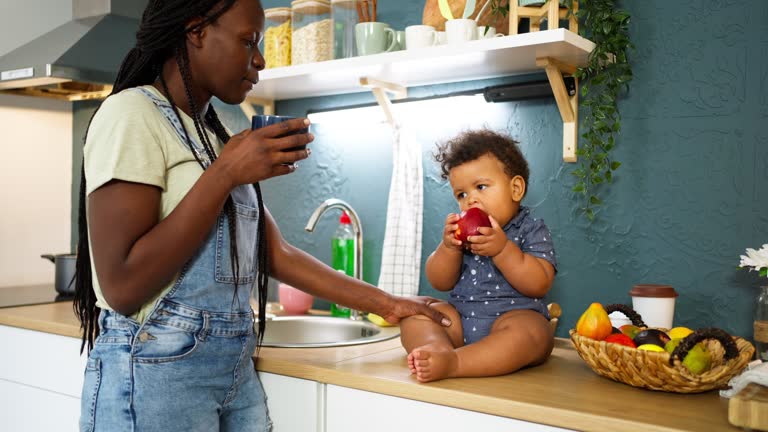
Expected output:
(655, 303)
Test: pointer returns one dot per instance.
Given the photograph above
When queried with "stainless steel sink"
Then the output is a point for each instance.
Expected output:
(313, 331)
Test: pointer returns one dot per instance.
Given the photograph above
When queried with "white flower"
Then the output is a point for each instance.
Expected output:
(756, 259)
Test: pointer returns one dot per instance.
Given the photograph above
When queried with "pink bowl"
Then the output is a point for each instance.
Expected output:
(294, 301)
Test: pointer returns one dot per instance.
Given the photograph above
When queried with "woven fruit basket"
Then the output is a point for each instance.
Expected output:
(661, 370)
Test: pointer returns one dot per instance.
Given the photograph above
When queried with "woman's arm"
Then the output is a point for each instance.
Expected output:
(300, 269)
(135, 254)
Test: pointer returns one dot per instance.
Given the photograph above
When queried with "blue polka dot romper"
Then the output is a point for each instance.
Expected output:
(482, 294)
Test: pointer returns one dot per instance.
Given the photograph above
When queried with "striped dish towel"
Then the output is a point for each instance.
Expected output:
(401, 253)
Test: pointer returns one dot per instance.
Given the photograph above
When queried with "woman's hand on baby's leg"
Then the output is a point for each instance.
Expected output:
(403, 307)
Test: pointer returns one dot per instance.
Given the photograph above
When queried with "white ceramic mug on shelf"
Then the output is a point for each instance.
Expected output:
(482, 33)
(460, 30)
(442, 39)
(420, 36)
(374, 38)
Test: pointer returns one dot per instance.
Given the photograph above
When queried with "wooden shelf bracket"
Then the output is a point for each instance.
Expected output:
(550, 10)
(379, 89)
(566, 103)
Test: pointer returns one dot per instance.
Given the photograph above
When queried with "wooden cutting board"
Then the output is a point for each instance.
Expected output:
(749, 408)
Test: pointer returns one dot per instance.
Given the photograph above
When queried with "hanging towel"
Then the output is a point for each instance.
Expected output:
(401, 253)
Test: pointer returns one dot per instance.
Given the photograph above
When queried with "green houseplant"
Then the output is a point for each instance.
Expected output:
(605, 77)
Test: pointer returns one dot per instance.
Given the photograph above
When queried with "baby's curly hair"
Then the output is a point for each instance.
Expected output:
(473, 144)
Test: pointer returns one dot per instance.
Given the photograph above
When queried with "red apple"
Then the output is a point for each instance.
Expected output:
(469, 223)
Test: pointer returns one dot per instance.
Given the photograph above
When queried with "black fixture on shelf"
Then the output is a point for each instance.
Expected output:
(522, 91)
(498, 93)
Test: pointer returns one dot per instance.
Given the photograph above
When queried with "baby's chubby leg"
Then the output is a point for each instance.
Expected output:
(427, 342)
(517, 339)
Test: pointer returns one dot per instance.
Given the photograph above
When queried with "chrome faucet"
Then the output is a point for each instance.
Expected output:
(357, 228)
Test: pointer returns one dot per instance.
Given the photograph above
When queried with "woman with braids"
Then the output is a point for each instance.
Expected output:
(174, 233)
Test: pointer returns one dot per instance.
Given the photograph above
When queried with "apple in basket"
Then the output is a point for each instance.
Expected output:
(469, 223)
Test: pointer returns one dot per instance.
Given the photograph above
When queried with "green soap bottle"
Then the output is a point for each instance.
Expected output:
(343, 257)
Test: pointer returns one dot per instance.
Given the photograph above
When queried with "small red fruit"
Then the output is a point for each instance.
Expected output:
(469, 223)
(621, 339)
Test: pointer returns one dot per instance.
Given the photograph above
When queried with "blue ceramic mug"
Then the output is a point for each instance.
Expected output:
(259, 121)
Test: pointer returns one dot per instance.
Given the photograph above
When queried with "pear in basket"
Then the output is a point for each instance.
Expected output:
(697, 361)
(594, 323)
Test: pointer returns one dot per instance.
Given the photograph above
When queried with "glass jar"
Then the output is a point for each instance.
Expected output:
(344, 15)
(761, 324)
(312, 35)
(277, 37)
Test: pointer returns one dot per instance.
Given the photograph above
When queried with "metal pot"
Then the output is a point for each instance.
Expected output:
(65, 271)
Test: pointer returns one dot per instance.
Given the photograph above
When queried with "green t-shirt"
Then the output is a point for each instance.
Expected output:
(129, 139)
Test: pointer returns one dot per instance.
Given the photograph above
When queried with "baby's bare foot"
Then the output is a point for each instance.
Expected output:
(433, 364)
(411, 366)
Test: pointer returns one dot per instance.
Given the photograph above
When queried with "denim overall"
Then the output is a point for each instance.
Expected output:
(188, 366)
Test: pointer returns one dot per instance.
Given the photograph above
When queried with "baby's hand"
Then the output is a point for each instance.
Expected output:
(449, 239)
(491, 241)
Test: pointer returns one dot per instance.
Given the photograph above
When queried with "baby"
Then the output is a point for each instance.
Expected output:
(497, 279)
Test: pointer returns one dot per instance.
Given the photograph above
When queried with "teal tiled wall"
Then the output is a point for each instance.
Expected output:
(689, 198)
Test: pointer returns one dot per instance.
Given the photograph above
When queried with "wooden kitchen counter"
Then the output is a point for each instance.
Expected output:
(563, 392)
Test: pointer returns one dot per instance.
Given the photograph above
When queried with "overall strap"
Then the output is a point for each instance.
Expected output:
(167, 111)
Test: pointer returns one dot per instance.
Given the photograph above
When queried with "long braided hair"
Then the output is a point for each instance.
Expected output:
(162, 34)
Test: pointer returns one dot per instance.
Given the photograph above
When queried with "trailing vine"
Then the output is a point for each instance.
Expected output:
(499, 7)
(604, 78)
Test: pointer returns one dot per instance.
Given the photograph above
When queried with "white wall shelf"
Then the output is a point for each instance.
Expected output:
(557, 50)
(486, 58)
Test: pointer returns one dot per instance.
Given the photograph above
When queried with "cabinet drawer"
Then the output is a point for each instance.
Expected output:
(42, 360)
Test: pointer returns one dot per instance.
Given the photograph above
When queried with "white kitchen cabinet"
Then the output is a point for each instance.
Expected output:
(350, 410)
(294, 404)
(41, 376)
(29, 409)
